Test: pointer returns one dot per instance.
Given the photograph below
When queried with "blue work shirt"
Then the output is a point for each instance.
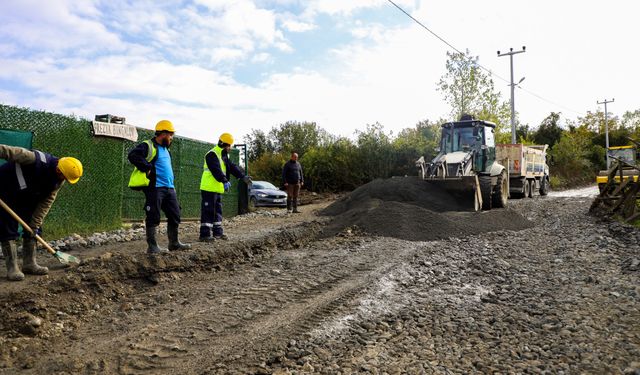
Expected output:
(164, 172)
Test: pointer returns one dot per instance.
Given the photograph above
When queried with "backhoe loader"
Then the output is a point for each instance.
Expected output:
(466, 165)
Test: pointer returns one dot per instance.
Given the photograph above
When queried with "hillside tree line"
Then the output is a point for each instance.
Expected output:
(333, 163)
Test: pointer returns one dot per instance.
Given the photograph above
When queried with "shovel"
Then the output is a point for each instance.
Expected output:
(62, 257)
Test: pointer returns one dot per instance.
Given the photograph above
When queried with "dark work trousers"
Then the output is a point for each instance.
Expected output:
(293, 190)
(164, 199)
(8, 225)
(210, 214)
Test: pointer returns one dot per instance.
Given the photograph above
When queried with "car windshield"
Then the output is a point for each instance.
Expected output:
(263, 185)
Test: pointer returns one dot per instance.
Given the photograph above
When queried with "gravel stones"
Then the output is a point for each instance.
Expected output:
(411, 209)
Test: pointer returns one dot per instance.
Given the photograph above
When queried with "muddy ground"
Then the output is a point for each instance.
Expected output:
(559, 296)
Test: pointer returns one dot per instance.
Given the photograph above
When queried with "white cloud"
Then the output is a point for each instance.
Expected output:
(224, 54)
(297, 26)
(52, 25)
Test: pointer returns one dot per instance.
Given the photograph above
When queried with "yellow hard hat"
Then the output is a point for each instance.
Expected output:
(71, 168)
(226, 138)
(165, 126)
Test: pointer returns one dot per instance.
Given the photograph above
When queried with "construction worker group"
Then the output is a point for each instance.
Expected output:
(31, 180)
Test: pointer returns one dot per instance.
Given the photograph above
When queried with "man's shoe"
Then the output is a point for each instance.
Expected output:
(222, 237)
(207, 239)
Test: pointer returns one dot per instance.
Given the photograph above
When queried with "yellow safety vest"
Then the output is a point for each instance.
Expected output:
(138, 178)
(208, 182)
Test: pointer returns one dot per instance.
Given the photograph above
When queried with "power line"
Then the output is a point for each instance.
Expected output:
(491, 73)
(445, 42)
(549, 101)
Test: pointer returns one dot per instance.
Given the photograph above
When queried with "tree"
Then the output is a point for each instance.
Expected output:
(596, 121)
(412, 143)
(467, 89)
(631, 121)
(259, 144)
(375, 152)
(549, 131)
(298, 137)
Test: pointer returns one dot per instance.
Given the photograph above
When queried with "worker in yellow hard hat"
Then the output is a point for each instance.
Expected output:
(215, 182)
(31, 180)
(153, 175)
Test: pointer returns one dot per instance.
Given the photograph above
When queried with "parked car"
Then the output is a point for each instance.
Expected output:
(264, 193)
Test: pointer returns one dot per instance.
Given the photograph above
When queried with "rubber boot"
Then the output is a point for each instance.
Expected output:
(295, 207)
(11, 257)
(29, 265)
(288, 206)
(174, 242)
(153, 244)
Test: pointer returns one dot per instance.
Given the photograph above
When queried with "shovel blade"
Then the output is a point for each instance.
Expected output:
(66, 258)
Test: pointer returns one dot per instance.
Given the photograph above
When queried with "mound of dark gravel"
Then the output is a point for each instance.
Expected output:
(411, 209)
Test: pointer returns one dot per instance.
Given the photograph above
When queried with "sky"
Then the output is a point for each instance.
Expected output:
(214, 66)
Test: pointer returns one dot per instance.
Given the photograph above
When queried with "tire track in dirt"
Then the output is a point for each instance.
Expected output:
(250, 324)
(227, 321)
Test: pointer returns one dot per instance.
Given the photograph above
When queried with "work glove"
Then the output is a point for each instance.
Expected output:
(247, 180)
(36, 231)
(227, 186)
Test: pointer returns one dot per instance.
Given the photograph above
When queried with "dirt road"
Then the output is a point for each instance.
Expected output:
(561, 296)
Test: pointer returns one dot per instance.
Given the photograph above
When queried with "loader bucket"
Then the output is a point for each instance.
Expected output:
(466, 190)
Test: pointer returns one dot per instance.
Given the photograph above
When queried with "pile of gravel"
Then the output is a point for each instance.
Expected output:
(411, 209)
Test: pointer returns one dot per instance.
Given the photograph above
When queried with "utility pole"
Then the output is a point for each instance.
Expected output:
(606, 127)
(513, 86)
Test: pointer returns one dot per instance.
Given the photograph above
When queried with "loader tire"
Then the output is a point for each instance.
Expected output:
(485, 190)
(500, 192)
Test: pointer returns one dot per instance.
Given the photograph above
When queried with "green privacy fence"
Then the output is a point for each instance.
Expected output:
(101, 200)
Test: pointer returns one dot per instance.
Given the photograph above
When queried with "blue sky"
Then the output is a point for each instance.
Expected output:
(214, 66)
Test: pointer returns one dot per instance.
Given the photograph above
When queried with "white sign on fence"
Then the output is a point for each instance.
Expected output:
(108, 129)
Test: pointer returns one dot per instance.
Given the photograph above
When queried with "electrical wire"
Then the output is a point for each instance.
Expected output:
(491, 73)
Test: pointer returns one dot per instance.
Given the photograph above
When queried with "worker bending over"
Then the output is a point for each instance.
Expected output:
(30, 183)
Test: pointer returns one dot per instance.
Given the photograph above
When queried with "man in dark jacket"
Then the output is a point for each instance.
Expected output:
(293, 180)
(30, 183)
(215, 182)
(154, 176)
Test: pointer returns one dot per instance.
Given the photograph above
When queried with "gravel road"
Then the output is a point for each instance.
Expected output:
(558, 297)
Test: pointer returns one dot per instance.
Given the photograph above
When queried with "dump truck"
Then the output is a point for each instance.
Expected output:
(466, 165)
(626, 156)
(528, 169)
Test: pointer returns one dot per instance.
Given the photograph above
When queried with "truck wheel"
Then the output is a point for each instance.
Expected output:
(532, 187)
(544, 186)
(501, 192)
(485, 190)
(526, 188)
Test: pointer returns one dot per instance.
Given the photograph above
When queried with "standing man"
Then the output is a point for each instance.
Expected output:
(30, 183)
(153, 175)
(293, 180)
(214, 183)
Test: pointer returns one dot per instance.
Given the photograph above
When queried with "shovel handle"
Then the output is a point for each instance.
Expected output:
(26, 227)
